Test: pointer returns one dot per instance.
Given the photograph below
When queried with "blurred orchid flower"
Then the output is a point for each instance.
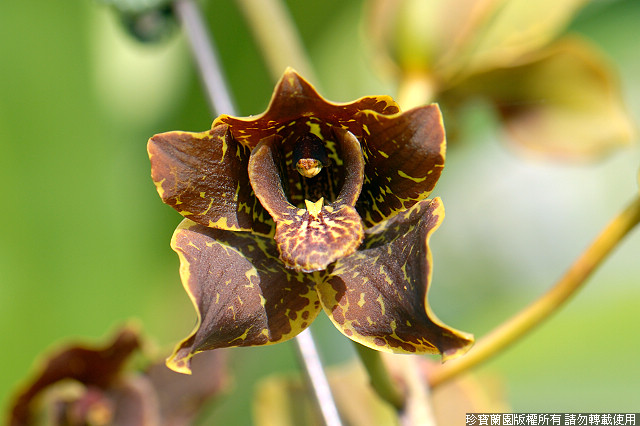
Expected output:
(556, 96)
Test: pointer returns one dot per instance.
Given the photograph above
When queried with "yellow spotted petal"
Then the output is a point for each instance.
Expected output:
(242, 294)
(404, 157)
(294, 98)
(204, 177)
(378, 295)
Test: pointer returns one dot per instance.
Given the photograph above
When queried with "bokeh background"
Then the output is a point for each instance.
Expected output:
(84, 241)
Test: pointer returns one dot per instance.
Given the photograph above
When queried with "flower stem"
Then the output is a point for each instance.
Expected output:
(316, 377)
(205, 56)
(379, 377)
(517, 326)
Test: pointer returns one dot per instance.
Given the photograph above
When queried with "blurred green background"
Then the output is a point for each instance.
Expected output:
(85, 237)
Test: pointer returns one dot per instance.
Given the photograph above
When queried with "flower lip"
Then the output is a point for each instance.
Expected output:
(309, 239)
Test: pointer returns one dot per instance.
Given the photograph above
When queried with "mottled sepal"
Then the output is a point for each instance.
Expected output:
(294, 102)
(242, 294)
(405, 155)
(310, 239)
(378, 295)
(204, 177)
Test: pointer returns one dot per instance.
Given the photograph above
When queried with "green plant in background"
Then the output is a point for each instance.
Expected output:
(317, 205)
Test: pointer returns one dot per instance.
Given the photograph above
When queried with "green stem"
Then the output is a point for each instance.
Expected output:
(277, 37)
(379, 377)
(517, 326)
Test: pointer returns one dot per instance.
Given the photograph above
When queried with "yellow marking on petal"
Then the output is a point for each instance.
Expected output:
(251, 273)
(202, 194)
(314, 128)
(184, 213)
(380, 300)
(361, 302)
(404, 272)
(406, 176)
(314, 208)
(159, 187)
(384, 154)
(222, 224)
(208, 207)
(224, 149)
(246, 332)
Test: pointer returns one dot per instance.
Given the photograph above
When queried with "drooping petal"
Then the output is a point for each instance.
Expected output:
(181, 398)
(295, 98)
(378, 295)
(242, 294)
(309, 239)
(563, 102)
(404, 157)
(204, 177)
(92, 367)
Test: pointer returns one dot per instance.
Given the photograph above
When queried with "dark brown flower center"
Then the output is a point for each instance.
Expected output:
(313, 235)
(310, 155)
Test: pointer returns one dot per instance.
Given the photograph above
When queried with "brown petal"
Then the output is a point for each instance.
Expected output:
(404, 156)
(204, 177)
(293, 98)
(243, 295)
(182, 397)
(99, 367)
(378, 295)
